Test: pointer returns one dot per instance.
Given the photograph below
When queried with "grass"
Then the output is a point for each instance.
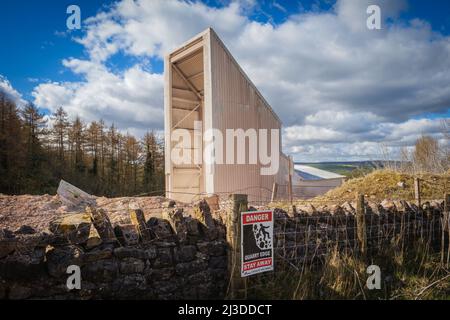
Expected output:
(384, 184)
(405, 275)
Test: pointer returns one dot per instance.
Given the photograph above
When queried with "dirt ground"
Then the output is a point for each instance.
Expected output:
(38, 211)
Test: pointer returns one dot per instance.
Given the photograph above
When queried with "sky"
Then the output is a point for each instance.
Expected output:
(342, 91)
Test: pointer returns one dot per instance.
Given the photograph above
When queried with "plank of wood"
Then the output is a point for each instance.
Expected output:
(188, 83)
(73, 196)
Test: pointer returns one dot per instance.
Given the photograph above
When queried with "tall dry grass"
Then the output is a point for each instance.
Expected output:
(405, 274)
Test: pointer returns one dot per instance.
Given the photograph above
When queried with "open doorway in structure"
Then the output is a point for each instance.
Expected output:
(183, 108)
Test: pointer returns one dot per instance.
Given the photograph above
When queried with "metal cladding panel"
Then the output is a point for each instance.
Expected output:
(307, 189)
(283, 177)
(236, 103)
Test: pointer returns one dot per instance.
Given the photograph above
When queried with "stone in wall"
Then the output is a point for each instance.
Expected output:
(175, 217)
(60, 257)
(307, 209)
(138, 220)
(102, 223)
(189, 229)
(8, 242)
(185, 253)
(349, 208)
(202, 213)
(75, 227)
(161, 228)
(94, 239)
(127, 234)
(388, 206)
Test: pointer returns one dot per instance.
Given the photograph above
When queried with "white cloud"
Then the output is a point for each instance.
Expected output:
(152, 28)
(406, 133)
(132, 99)
(311, 134)
(321, 143)
(10, 92)
(338, 87)
(350, 122)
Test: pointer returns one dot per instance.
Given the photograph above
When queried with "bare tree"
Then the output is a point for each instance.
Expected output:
(427, 155)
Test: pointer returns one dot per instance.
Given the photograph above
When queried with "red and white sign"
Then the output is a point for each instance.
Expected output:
(256, 242)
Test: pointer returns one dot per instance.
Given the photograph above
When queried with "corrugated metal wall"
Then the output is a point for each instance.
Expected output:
(238, 104)
(306, 189)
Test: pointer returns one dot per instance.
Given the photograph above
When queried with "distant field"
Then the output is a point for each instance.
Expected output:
(348, 169)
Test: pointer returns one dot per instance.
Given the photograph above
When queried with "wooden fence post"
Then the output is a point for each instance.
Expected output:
(417, 191)
(291, 171)
(274, 191)
(447, 212)
(446, 226)
(361, 229)
(238, 204)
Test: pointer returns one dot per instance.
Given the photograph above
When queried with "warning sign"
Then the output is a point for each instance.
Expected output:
(257, 242)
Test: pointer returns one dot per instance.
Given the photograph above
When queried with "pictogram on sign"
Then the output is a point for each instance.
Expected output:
(256, 242)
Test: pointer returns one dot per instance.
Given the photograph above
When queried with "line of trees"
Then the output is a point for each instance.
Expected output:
(97, 158)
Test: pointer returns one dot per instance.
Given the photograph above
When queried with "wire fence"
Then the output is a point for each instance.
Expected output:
(305, 238)
(304, 241)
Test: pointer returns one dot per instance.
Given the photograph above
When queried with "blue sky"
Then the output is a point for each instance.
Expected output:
(35, 48)
(44, 63)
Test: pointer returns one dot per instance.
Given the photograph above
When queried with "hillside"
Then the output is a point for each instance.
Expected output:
(385, 184)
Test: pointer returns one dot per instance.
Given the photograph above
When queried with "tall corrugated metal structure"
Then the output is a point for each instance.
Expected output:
(203, 82)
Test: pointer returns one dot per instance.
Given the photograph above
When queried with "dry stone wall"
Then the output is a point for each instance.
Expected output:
(177, 258)
(183, 256)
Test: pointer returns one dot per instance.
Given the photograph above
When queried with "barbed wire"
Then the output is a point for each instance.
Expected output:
(262, 195)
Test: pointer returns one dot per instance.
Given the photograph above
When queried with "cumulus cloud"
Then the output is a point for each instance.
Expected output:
(153, 28)
(314, 142)
(339, 88)
(132, 99)
(11, 93)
